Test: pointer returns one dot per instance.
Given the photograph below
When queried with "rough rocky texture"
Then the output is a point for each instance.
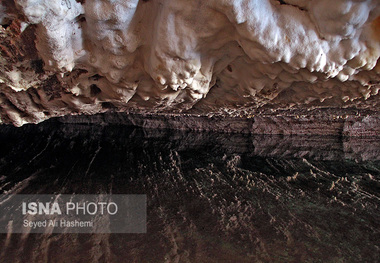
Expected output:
(337, 122)
(212, 197)
(200, 57)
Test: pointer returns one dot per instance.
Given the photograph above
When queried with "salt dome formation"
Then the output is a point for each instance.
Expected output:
(233, 57)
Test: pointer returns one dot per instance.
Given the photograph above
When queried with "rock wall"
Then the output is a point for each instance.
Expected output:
(65, 57)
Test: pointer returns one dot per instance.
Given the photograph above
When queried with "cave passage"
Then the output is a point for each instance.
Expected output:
(212, 197)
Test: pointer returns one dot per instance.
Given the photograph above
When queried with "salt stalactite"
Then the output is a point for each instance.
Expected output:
(62, 57)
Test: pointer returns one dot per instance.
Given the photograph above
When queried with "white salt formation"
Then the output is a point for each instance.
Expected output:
(186, 56)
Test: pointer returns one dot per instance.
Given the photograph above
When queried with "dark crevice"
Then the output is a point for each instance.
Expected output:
(81, 18)
(282, 2)
(108, 105)
(95, 90)
(6, 25)
(38, 66)
(96, 77)
(52, 88)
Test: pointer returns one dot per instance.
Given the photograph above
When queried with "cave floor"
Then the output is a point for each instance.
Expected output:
(211, 197)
